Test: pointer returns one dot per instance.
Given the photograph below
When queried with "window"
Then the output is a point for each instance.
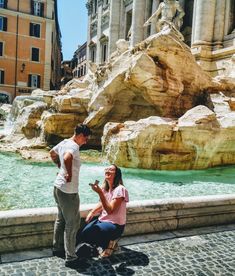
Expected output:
(1, 49)
(34, 29)
(35, 54)
(3, 4)
(4, 98)
(34, 81)
(3, 23)
(37, 8)
(84, 70)
(93, 54)
(2, 76)
(104, 52)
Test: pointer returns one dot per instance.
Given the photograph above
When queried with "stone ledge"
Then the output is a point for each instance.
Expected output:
(33, 228)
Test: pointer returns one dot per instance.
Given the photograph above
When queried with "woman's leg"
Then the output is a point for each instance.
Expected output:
(100, 233)
(108, 231)
(89, 233)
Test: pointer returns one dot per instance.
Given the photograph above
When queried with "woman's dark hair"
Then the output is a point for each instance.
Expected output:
(117, 179)
(82, 129)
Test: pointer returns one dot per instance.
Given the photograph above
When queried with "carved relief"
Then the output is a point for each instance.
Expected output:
(127, 2)
(89, 7)
(94, 28)
(100, 2)
(105, 20)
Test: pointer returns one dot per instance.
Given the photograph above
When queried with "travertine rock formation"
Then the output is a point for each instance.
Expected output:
(158, 77)
(159, 108)
(4, 111)
(197, 140)
(57, 126)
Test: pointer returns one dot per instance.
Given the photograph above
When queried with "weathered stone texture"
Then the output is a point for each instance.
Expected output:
(196, 141)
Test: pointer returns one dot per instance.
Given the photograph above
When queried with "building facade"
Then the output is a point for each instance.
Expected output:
(79, 63)
(208, 28)
(30, 47)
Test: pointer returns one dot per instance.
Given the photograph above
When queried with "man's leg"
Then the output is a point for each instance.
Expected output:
(69, 204)
(58, 238)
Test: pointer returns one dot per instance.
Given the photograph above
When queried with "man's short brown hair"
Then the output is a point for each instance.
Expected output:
(82, 129)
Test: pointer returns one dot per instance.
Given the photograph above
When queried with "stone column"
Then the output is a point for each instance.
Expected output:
(229, 15)
(89, 10)
(114, 25)
(99, 32)
(49, 9)
(203, 22)
(219, 24)
(138, 19)
(48, 50)
(154, 8)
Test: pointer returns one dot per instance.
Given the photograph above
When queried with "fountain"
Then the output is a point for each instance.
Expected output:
(150, 107)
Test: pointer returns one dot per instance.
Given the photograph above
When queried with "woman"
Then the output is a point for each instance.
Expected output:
(110, 225)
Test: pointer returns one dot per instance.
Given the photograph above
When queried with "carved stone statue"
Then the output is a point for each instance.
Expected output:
(170, 12)
(229, 67)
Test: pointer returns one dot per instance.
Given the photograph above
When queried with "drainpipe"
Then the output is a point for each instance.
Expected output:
(16, 59)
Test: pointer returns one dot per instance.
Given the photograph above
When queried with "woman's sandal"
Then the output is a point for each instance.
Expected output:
(113, 246)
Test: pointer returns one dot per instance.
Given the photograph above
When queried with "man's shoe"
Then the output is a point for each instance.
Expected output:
(77, 264)
(58, 253)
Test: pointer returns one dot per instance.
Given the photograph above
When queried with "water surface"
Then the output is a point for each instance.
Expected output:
(25, 184)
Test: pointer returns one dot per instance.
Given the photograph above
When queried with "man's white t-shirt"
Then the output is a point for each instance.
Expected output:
(68, 146)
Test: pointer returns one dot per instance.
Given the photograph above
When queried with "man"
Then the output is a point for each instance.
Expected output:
(66, 156)
(170, 11)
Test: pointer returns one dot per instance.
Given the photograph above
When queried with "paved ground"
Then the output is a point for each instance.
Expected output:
(203, 251)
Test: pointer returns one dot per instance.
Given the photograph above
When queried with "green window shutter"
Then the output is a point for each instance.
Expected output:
(29, 80)
(5, 24)
(2, 76)
(31, 29)
(42, 10)
(37, 30)
(5, 4)
(39, 82)
(1, 48)
(32, 8)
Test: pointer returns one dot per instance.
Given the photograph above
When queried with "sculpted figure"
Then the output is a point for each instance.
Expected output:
(169, 11)
(229, 68)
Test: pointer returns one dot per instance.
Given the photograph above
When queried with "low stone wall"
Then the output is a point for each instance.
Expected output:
(33, 228)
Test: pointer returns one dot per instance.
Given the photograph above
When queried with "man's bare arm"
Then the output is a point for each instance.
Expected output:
(68, 162)
(55, 157)
(154, 16)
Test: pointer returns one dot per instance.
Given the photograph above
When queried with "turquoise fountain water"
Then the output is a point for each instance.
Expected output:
(24, 184)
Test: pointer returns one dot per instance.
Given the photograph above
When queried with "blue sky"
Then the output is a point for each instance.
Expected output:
(73, 25)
